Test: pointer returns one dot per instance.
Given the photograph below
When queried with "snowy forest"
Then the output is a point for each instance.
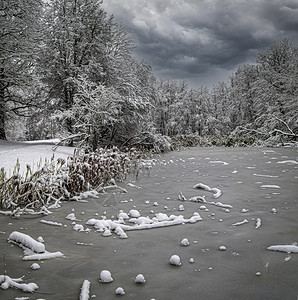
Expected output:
(67, 70)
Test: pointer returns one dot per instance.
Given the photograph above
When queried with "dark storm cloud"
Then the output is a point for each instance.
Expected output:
(202, 41)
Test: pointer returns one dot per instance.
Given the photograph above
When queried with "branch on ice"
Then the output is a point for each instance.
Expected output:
(240, 223)
(7, 282)
(33, 250)
(217, 192)
(284, 248)
(26, 241)
(160, 220)
(85, 290)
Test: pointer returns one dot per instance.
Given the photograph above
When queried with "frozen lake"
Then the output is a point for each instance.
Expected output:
(252, 180)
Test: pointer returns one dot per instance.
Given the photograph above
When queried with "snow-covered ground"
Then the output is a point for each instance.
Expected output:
(190, 245)
(31, 153)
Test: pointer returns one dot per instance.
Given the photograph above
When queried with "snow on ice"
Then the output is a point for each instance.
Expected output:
(105, 276)
(284, 248)
(7, 282)
(175, 260)
(33, 250)
(140, 279)
(85, 290)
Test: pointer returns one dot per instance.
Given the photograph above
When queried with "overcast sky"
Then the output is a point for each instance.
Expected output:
(203, 41)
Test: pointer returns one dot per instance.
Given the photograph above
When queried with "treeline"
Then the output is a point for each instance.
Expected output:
(67, 70)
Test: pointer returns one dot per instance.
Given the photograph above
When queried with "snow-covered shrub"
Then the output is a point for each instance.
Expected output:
(65, 180)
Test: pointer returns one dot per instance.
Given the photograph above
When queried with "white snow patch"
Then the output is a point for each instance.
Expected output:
(35, 266)
(217, 192)
(27, 241)
(289, 162)
(105, 276)
(119, 291)
(85, 290)
(51, 223)
(284, 248)
(140, 279)
(270, 186)
(7, 282)
(240, 223)
(218, 162)
(175, 260)
(258, 223)
(134, 213)
(222, 248)
(274, 210)
(268, 176)
(184, 242)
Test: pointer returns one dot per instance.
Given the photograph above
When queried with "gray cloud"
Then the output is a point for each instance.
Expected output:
(203, 41)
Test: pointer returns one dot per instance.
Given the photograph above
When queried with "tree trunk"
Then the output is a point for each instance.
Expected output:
(2, 113)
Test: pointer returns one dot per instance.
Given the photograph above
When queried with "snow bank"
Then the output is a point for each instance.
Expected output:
(85, 290)
(7, 282)
(284, 248)
(27, 241)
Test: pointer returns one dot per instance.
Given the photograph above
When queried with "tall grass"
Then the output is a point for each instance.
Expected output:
(62, 180)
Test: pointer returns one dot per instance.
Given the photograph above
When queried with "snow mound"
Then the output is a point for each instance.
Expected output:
(35, 266)
(119, 291)
(140, 279)
(184, 242)
(175, 260)
(134, 213)
(105, 276)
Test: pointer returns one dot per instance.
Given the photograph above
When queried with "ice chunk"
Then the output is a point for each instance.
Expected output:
(35, 266)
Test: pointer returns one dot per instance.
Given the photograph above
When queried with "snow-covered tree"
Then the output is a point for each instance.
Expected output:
(19, 45)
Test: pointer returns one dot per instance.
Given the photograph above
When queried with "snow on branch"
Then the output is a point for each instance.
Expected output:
(7, 282)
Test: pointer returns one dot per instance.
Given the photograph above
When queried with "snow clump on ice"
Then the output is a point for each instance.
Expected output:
(105, 276)
(119, 291)
(140, 279)
(184, 242)
(134, 213)
(175, 260)
(35, 266)
(222, 248)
